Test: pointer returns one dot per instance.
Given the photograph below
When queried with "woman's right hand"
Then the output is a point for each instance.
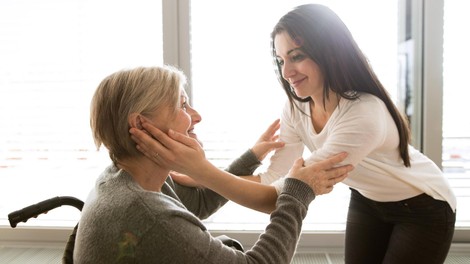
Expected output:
(323, 175)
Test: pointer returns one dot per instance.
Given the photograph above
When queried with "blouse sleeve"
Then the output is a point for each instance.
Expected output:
(283, 159)
(359, 129)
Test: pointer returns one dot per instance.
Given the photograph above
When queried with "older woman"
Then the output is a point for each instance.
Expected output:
(137, 214)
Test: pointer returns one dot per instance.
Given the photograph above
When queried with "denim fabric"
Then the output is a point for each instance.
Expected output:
(415, 230)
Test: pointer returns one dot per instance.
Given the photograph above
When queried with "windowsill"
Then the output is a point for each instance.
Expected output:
(324, 222)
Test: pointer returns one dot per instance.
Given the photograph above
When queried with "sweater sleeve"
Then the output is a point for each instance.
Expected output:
(182, 240)
(203, 202)
(244, 165)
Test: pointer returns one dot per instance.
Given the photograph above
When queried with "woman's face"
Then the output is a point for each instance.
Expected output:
(183, 121)
(195, 117)
(302, 73)
(180, 122)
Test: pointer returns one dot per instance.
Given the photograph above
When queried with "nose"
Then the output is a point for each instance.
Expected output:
(195, 116)
(287, 71)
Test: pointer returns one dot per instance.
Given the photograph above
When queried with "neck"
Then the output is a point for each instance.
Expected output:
(146, 173)
(326, 107)
(320, 112)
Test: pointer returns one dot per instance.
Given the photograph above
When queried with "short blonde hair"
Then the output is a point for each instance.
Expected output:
(141, 90)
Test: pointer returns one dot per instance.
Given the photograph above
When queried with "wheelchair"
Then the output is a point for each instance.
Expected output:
(42, 207)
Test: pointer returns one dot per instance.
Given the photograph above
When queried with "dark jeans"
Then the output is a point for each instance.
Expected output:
(415, 230)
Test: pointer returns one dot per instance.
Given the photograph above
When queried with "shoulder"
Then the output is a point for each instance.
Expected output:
(365, 104)
(295, 111)
(363, 99)
(370, 99)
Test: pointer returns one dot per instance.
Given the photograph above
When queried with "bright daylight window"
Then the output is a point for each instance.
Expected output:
(237, 94)
(53, 55)
(456, 91)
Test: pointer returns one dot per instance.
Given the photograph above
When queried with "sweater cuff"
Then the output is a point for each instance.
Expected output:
(298, 189)
(244, 165)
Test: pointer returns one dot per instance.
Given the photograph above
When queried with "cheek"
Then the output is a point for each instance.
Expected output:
(315, 71)
(185, 121)
(188, 120)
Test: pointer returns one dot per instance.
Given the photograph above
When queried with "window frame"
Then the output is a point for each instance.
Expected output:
(427, 26)
(176, 46)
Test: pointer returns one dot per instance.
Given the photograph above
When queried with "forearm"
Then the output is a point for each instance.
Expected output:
(253, 178)
(204, 201)
(245, 165)
(242, 191)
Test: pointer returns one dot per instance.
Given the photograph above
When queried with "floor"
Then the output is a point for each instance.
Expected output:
(54, 255)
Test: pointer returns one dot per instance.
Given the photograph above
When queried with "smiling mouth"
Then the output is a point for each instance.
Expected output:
(295, 83)
(191, 131)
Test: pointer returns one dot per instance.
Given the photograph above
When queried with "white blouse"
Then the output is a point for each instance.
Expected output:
(365, 129)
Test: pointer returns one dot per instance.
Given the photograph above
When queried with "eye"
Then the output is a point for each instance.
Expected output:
(279, 61)
(298, 57)
(184, 106)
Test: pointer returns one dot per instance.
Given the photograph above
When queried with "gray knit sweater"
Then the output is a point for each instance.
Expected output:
(123, 223)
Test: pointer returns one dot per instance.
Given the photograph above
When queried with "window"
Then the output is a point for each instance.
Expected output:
(238, 95)
(456, 91)
(54, 54)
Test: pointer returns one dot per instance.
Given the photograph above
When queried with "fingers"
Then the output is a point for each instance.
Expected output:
(332, 161)
(338, 174)
(299, 163)
(340, 171)
(261, 149)
(269, 133)
(159, 135)
(172, 140)
(276, 144)
(150, 147)
(334, 176)
(268, 141)
(322, 176)
(186, 140)
(273, 127)
(338, 179)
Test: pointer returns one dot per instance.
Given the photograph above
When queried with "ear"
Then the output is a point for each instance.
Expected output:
(135, 120)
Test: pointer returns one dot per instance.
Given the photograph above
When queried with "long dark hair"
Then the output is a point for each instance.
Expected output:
(346, 70)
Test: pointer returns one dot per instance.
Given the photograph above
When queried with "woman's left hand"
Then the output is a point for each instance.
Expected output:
(268, 141)
(175, 150)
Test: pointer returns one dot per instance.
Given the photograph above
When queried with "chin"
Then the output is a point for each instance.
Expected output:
(302, 95)
(193, 135)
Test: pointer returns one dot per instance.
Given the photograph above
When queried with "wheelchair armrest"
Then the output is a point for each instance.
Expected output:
(228, 241)
(34, 210)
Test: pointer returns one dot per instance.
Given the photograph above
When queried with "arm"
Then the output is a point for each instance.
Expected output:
(248, 162)
(184, 154)
(187, 241)
(183, 239)
(359, 128)
(202, 201)
(283, 158)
